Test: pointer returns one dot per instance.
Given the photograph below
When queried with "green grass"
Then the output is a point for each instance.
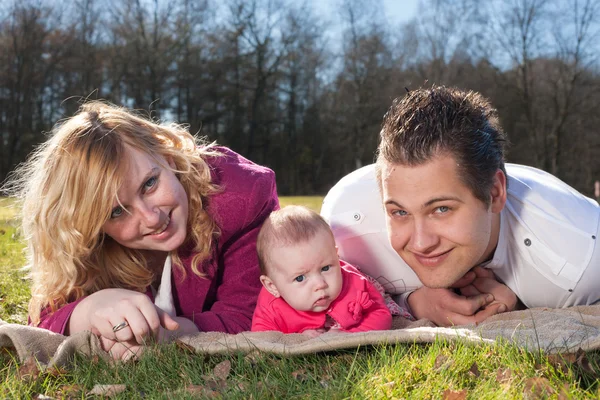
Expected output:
(449, 370)
(312, 202)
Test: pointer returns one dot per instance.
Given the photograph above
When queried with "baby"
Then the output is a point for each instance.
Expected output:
(306, 288)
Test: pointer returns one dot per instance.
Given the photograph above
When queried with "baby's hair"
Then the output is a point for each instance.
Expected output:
(287, 226)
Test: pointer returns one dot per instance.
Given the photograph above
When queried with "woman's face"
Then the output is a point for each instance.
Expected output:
(151, 210)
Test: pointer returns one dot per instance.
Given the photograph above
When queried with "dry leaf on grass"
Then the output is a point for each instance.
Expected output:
(474, 370)
(222, 370)
(56, 371)
(107, 390)
(29, 369)
(300, 375)
(68, 391)
(440, 360)
(201, 391)
(503, 375)
(454, 394)
(186, 348)
(537, 388)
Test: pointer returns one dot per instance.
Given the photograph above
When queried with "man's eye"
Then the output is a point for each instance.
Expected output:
(116, 212)
(326, 268)
(399, 213)
(443, 209)
(150, 183)
(299, 278)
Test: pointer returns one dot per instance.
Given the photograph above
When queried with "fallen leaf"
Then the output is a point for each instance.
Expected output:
(584, 363)
(440, 360)
(474, 370)
(29, 369)
(202, 391)
(68, 391)
(300, 375)
(2, 232)
(537, 388)
(56, 371)
(503, 375)
(216, 385)
(222, 370)
(106, 390)
(454, 395)
(186, 348)
(324, 383)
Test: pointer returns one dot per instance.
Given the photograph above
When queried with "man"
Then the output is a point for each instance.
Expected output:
(460, 218)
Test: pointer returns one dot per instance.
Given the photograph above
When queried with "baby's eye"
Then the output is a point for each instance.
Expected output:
(150, 183)
(116, 212)
(299, 278)
(326, 268)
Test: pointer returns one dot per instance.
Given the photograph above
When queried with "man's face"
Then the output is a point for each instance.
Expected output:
(434, 221)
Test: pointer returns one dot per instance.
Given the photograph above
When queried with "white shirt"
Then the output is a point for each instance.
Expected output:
(548, 237)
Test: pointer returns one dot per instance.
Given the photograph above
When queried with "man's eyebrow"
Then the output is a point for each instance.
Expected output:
(153, 171)
(443, 198)
(428, 202)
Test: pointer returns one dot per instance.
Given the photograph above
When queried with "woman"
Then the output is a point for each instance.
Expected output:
(136, 232)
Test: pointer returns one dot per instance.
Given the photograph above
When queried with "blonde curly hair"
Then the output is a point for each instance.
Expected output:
(67, 188)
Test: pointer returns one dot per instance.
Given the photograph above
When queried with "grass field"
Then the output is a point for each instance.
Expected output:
(442, 370)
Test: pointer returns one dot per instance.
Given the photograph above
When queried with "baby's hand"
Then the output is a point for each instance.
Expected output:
(313, 332)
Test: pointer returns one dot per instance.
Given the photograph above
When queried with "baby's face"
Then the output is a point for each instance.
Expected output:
(307, 275)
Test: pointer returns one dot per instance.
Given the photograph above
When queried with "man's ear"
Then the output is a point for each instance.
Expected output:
(269, 285)
(498, 193)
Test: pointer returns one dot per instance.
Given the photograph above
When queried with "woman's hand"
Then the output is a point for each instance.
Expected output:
(106, 309)
(444, 307)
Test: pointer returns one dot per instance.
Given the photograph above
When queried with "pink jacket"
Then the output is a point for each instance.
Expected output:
(225, 299)
(358, 308)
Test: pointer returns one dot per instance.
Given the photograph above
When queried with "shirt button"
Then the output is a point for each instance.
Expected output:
(527, 242)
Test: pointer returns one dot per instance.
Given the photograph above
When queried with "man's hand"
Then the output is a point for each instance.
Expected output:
(444, 307)
(486, 282)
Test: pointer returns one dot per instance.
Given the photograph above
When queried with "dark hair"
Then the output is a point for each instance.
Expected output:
(429, 122)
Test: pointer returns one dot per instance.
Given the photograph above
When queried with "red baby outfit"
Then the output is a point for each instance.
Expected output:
(359, 307)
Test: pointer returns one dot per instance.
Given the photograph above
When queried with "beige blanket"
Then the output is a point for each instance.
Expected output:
(552, 330)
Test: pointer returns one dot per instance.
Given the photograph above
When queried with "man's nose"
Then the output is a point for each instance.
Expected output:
(423, 238)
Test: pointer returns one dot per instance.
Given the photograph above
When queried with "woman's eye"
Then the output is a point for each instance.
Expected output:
(326, 268)
(150, 183)
(116, 212)
(299, 278)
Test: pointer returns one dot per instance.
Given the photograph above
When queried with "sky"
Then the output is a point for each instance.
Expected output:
(400, 10)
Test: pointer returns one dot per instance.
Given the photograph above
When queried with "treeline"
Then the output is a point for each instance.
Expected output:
(303, 92)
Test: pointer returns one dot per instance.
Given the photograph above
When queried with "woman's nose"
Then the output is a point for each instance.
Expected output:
(149, 214)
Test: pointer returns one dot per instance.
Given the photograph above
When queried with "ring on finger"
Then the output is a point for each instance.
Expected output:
(120, 326)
